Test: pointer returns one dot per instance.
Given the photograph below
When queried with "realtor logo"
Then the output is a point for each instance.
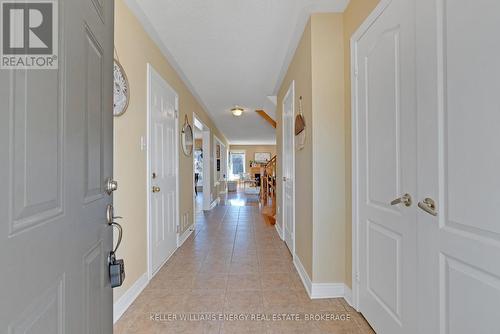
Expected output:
(29, 34)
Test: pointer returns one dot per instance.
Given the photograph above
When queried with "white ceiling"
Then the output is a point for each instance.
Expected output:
(231, 52)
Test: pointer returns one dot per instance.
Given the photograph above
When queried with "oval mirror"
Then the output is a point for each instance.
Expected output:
(187, 138)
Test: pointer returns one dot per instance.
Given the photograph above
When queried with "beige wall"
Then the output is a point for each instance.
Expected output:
(250, 151)
(328, 148)
(354, 15)
(135, 49)
(299, 71)
(321, 70)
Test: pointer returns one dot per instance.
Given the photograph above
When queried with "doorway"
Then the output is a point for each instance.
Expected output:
(201, 164)
(163, 171)
(288, 220)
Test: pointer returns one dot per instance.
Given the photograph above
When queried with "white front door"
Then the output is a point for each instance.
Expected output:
(386, 123)
(288, 168)
(163, 156)
(56, 130)
(459, 164)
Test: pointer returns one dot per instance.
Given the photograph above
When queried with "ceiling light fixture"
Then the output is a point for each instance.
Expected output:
(237, 111)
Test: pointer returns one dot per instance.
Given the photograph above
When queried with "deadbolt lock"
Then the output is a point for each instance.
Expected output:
(110, 185)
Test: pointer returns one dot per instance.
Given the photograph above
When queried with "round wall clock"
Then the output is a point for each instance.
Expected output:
(121, 92)
(187, 138)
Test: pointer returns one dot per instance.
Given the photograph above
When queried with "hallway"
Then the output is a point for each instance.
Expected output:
(235, 264)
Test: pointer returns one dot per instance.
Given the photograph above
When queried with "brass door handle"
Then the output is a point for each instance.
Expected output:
(156, 189)
(429, 206)
(405, 199)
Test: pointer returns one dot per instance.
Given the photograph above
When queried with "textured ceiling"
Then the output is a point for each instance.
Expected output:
(231, 52)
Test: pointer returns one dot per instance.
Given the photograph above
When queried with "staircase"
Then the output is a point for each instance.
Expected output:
(268, 191)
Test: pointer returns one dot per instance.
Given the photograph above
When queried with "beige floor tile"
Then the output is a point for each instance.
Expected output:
(205, 301)
(236, 264)
(275, 281)
(217, 281)
(243, 302)
(244, 282)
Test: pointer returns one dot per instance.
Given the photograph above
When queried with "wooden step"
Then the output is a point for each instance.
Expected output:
(269, 213)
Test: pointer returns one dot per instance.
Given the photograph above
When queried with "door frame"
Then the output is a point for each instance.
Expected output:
(207, 166)
(290, 91)
(150, 69)
(379, 9)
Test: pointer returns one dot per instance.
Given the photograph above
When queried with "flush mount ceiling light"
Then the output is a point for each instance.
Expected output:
(237, 111)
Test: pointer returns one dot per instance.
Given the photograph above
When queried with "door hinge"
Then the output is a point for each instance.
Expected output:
(356, 72)
(357, 276)
(178, 229)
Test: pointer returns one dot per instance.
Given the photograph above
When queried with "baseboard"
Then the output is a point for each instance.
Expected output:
(322, 290)
(327, 290)
(348, 295)
(183, 237)
(306, 281)
(214, 203)
(124, 302)
(278, 229)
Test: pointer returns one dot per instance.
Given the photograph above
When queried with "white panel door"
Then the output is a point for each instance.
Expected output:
(163, 154)
(386, 123)
(56, 151)
(459, 164)
(288, 168)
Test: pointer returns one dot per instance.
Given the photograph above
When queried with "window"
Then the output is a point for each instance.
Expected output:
(237, 164)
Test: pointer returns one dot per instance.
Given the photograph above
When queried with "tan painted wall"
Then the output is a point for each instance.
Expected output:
(328, 148)
(300, 71)
(135, 49)
(321, 70)
(250, 151)
(354, 15)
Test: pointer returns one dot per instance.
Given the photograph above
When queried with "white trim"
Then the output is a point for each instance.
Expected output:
(348, 295)
(306, 281)
(321, 290)
(354, 299)
(278, 229)
(183, 237)
(291, 90)
(222, 160)
(327, 290)
(214, 203)
(124, 302)
(150, 68)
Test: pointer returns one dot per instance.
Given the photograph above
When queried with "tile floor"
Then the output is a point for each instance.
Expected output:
(234, 265)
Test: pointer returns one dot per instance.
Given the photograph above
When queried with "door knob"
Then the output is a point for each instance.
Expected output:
(405, 199)
(429, 206)
(156, 189)
(110, 185)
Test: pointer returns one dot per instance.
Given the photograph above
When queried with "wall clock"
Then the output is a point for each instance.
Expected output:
(121, 91)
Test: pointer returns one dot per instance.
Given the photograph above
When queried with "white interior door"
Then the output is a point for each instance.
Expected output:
(459, 122)
(163, 156)
(56, 151)
(288, 168)
(386, 140)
